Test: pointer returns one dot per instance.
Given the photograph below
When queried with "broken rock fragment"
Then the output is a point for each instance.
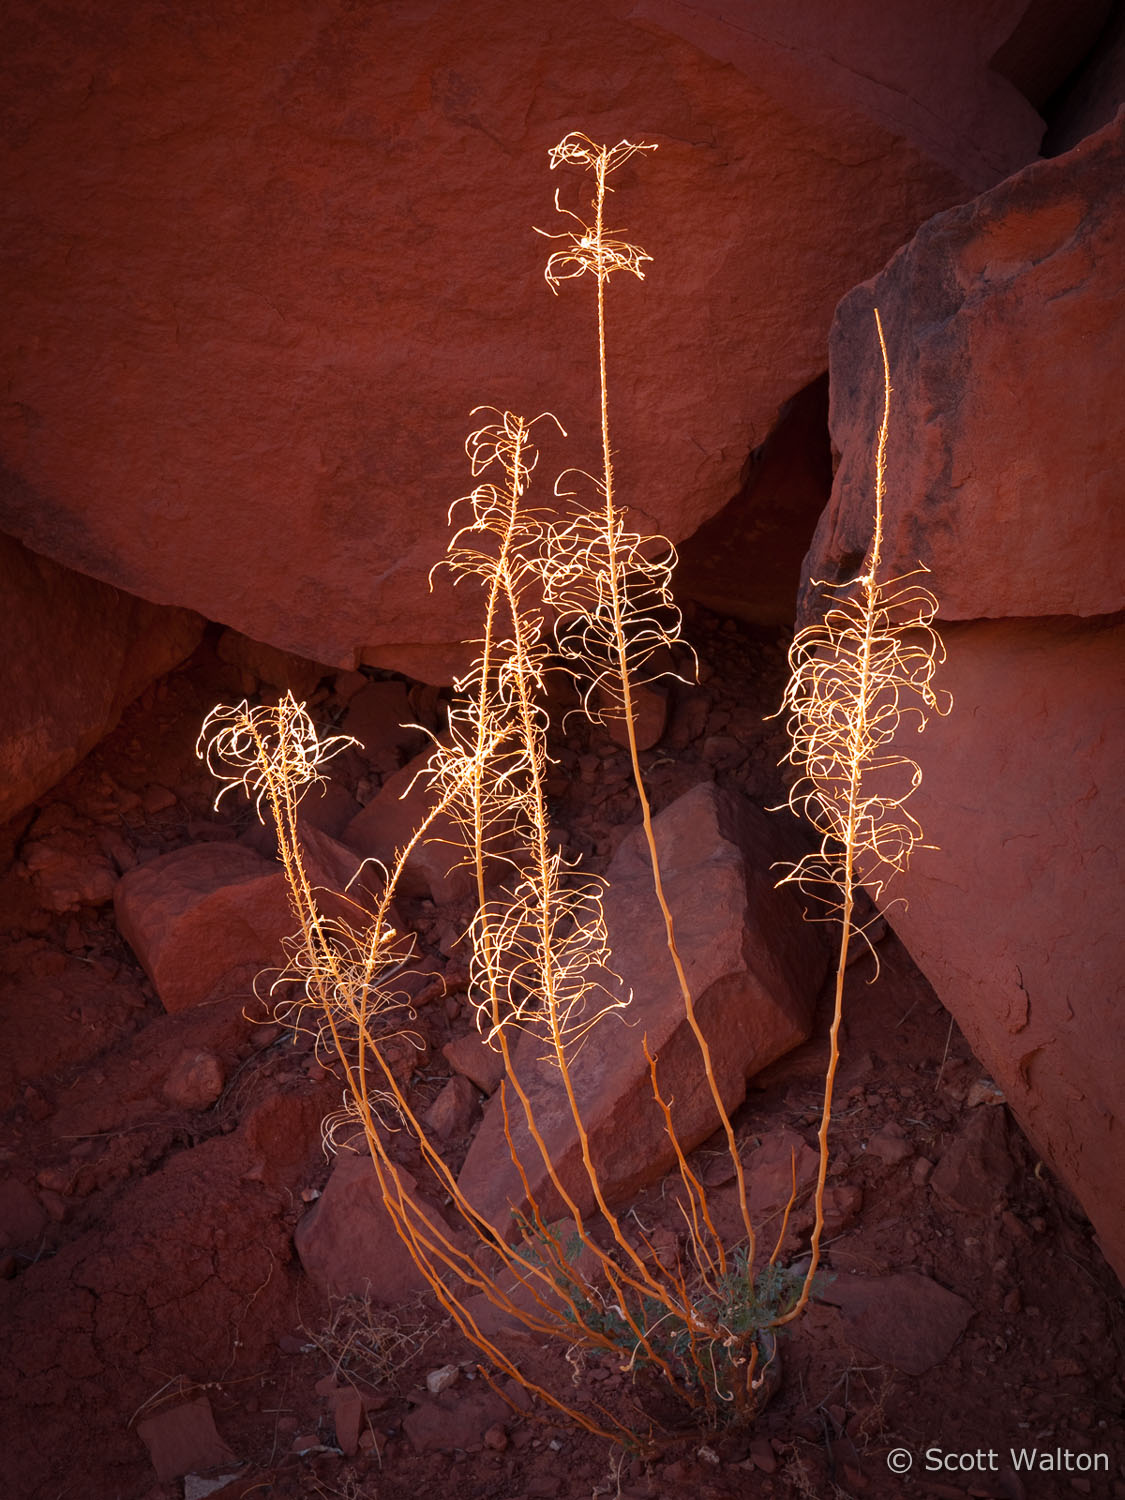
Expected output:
(199, 914)
(454, 1419)
(453, 1111)
(904, 1320)
(348, 1243)
(195, 1081)
(183, 1440)
(472, 1056)
(754, 967)
(976, 1170)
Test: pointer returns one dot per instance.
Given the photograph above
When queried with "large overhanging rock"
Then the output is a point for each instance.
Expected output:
(261, 268)
(754, 966)
(1007, 444)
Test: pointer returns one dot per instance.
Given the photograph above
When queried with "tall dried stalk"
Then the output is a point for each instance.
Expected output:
(611, 588)
(855, 677)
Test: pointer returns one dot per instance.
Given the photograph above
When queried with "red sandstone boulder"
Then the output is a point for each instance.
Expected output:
(75, 654)
(437, 864)
(1014, 918)
(210, 912)
(1007, 438)
(348, 1243)
(1004, 324)
(256, 286)
(754, 967)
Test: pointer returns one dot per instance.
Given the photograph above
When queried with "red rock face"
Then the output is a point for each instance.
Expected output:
(75, 653)
(1005, 321)
(1015, 918)
(748, 560)
(259, 278)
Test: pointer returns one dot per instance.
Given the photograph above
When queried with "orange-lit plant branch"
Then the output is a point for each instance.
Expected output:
(612, 590)
(540, 952)
(855, 677)
(346, 973)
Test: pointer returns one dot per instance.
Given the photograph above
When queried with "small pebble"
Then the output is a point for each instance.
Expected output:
(441, 1379)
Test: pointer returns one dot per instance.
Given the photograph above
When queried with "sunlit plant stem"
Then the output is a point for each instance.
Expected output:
(855, 676)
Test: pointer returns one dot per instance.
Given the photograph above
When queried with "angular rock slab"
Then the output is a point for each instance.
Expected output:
(183, 1440)
(348, 1243)
(194, 915)
(1004, 321)
(905, 1320)
(754, 967)
(259, 343)
(200, 913)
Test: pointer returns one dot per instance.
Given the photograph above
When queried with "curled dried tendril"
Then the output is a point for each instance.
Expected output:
(609, 586)
(500, 537)
(346, 954)
(268, 750)
(592, 247)
(611, 590)
(545, 967)
(539, 943)
(856, 676)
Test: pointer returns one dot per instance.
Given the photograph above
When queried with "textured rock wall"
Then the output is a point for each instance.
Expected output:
(259, 272)
(75, 652)
(1004, 472)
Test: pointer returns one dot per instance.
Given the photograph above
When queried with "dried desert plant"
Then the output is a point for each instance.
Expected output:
(368, 1345)
(857, 677)
(346, 974)
(539, 948)
(540, 960)
(341, 964)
